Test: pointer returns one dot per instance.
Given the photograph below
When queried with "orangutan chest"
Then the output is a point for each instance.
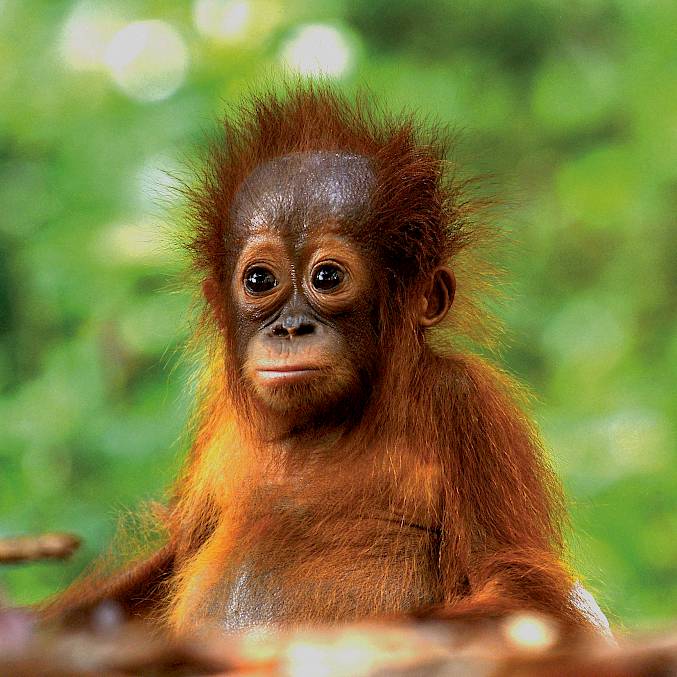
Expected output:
(325, 570)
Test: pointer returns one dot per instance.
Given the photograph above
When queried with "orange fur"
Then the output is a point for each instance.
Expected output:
(441, 498)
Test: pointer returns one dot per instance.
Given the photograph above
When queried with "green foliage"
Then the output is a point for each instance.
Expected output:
(571, 108)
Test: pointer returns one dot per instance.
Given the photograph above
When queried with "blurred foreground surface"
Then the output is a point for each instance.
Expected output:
(521, 645)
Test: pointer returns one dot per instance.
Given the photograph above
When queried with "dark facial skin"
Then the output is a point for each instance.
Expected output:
(304, 296)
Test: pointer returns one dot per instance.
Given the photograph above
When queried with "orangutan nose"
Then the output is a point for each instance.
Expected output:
(293, 324)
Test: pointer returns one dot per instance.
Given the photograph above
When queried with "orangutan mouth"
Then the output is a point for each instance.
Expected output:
(288, 373)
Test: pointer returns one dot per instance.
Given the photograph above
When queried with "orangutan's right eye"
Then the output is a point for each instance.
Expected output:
(259, 280)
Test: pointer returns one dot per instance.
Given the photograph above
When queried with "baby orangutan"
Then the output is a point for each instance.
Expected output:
(344, 464)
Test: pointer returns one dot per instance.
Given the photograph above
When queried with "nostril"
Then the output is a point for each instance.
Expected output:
(304, 328)
(278, 330)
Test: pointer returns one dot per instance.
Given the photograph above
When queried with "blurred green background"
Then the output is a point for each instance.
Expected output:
(570, 107)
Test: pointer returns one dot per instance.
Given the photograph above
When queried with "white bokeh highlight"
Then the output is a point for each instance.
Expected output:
(147, 60)
(85, 36)
(530, 632)
(226, 21)
(318, 50)
(158, 182)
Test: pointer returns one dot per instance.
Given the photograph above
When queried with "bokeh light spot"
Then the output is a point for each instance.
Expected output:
(85, 35)
(147, 60)
(157, 183)
(318, 50)
(530, 632)
(222, 20)
(133, 241)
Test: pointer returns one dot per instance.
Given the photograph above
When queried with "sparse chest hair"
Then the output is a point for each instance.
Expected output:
(321, 547)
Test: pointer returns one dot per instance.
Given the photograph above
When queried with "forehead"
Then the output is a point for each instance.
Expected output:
(292, 193)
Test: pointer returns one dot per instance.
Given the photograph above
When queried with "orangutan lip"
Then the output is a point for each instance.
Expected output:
(286, 371)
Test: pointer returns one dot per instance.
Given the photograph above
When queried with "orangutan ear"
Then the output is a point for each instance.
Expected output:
(210, 289)
(437, 300)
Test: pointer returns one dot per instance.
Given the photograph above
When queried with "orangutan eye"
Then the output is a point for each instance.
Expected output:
(326, 277)
(259, 280)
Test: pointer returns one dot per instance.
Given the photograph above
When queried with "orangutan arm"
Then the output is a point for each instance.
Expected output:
(502, 547)
(136, 591)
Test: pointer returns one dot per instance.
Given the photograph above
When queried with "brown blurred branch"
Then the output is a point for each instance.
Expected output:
(35, 548)
(427, 649)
